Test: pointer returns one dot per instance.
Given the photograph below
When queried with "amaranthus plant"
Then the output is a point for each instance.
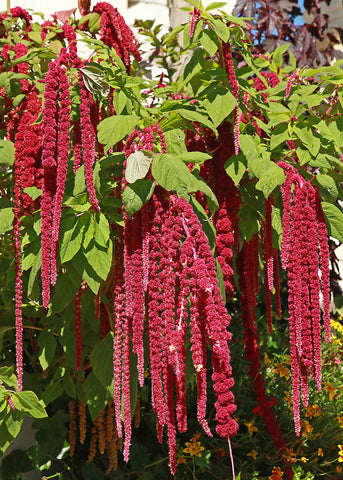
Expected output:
(157, 227)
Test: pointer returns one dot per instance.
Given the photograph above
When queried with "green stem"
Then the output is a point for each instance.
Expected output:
(155, 463)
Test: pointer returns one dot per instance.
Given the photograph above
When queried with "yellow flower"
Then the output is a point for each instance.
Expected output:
(307, 428)
(340, 420)
(193, 448)
(282, 370)
(267, 360)
(331, 389)
(180, 460)
(340, 453)
(277, 474)
(304, 459)
(252, 454)
(320, 452)
(289, 455)
(313, 411)
(287, 360)
(251, 427)
(288, 398)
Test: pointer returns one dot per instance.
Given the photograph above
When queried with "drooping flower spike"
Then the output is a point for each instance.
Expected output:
(305, 255)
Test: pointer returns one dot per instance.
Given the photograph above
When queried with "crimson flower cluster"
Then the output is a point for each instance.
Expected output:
(247, 268)
(305, 255)
(231, 75)
(55, 150)
(115, 33)
(27, 166)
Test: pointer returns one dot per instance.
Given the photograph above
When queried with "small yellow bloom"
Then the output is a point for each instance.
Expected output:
(252, 454)
(304, 459)
(289, 455)
(287, 360)
(193, 448)
(331, 389)
(180, 460)
(251, 427)
(307, 428)
(277, 474)
(282, 370)
(267, 360)
(340, 420)
(288, 398)
(313, 411)
(340, 453)
(320, 452)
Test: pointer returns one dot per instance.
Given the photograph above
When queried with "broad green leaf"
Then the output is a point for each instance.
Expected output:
(219, 104)
(136, 195)
(194, 157)
(249, 147)
(5, 438)
(79, 203)
(101, 230)
(6, 152)
(14, 421)
(236, 167)
(65, 291)
(278, 53)
(334, 217)
(249, 222)
(87, 219)
(52, 391)
(212, 201)
(279, 135)
(209, 41)
(194, 116)
(71, 239)
(221, 29)
(194, 66)
(6, 219)
(113, 129)
(215, 5)
(33, 192)
(173, 175)
(97, 396)
(68, 383)
(47, 343)
(99, 258)
(175, 140)
(304, 155)
(206, 224)
(8, 377)
(328, 187)
(272, 176)
(137, 165)
(94, 79)
(304, 132)
(101, 359)
(28, 403)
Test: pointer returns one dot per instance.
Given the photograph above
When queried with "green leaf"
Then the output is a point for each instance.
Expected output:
(102, 360)
(272, 176)
(93, 77)
(101, 230)
(6, 219)
(194, 157)
(328, 187)
(37, 263)
(137, 165)
(221, 29)
(97, 396)
(175, 140)
(173, 175)
(249, 222)
(215, 5)
(208, 40)
(194, 116)
(136, 195)
(113, 129)
(52, 391)
(79, 203)
(193, 67)
(304, 132)
(65, 292)
(334, 216)
(28, 403)
(219, 104)
(212, 201)
(47, 343)
(236, 167)
(278, 53)
(33, 192)
(206, 224)
(279, 135)
(6, 152)
(14, 421)
(71, 238)
(99, 258)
